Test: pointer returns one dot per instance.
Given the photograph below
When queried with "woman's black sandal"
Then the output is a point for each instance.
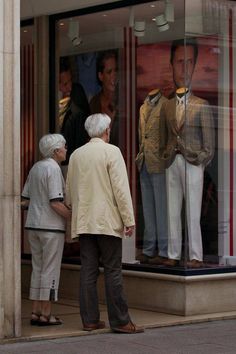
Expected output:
(34, 321)
(49, 321)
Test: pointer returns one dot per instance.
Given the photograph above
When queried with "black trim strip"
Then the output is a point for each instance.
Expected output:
(98, 8)
(45, 230)
(56, 200)
(29, 22)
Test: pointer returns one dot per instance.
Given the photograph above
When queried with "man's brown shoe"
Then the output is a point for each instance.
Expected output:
(170, 262)
(194, 263)
(129, 328)
(93, 326)
(158, 260)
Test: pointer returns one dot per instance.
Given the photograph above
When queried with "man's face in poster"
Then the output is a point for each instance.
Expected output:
(65, 83)
(183, 66)
(108, 77)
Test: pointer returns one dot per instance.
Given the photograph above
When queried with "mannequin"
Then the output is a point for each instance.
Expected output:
(186, 146)
(152, 180)
(154, 96)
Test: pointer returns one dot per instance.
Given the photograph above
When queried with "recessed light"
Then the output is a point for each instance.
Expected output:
(62, 24)
(152, 5)
(104, 15)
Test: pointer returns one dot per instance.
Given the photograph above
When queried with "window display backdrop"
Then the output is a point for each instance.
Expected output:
(158, 74)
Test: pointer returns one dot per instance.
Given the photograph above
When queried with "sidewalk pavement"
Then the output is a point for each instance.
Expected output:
(212, 337)
(165, 333)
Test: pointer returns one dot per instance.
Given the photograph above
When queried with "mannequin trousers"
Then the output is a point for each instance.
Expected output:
(153, 189)
(184, 181)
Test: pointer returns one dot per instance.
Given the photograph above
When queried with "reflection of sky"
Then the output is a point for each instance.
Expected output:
(154, 69)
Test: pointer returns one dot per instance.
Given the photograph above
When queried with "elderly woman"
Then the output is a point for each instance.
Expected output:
(44, 194)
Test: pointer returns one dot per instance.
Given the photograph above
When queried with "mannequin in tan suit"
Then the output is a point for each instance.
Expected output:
(186, 146)
(152, 181)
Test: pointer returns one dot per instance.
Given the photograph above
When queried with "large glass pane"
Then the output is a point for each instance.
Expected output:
(209, 125)
(119, 62)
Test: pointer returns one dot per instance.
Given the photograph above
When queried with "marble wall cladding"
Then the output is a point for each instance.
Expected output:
(10, 288)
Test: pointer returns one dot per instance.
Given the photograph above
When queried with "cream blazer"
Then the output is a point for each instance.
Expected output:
(97, 188)
(149, 137)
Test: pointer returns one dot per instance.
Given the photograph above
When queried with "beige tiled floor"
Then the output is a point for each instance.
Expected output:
(68, 311)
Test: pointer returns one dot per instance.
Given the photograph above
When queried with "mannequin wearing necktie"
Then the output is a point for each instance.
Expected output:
(182, 95)
(186, 146)
(152, 181)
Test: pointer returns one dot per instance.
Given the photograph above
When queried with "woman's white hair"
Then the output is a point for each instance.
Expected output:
(96, 124)
(49, 143)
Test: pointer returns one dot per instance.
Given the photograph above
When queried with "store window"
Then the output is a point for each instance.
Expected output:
(164, 72)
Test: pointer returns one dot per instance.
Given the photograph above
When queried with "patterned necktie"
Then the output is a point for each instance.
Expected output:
(179, 113)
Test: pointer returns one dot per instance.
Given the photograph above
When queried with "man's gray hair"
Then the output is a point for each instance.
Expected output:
(96, 124)
(49, 143)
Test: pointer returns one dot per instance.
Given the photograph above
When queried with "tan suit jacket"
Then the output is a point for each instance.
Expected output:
(194, 138)
(97, 188)
(149, 137)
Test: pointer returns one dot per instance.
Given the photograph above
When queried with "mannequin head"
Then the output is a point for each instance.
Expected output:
(182, 91)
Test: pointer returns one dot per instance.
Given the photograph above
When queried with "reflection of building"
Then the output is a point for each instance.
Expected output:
(38, 95)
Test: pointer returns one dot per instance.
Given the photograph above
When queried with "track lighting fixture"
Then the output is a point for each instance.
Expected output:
(73, 33)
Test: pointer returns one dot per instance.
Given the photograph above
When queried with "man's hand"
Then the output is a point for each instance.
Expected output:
(129, 230)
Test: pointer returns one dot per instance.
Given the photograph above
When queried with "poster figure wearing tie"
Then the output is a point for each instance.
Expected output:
(152, 181)
(187, 147)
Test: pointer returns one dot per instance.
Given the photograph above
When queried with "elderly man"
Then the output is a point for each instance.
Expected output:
(97, 188)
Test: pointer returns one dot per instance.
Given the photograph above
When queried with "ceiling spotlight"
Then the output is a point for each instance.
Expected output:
(139, 28)
(73, 33)
(169, 10)
(162, 23)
